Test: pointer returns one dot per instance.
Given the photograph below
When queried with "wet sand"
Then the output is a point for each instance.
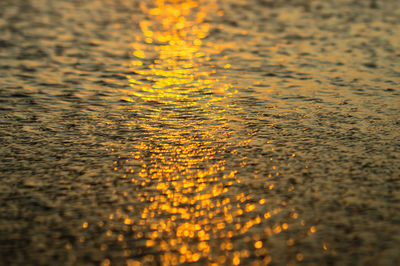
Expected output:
(206, 132)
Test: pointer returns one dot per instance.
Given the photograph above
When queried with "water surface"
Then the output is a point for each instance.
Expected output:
(206, 132)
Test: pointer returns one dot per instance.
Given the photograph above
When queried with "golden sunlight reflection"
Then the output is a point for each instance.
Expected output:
(191, 205)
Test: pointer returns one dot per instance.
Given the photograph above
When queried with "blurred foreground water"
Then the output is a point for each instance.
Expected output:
(208, 132)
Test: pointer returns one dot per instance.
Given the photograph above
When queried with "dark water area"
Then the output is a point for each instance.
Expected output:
(199, 132)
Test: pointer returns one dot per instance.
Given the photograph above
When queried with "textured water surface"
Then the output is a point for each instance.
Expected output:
(201, 131)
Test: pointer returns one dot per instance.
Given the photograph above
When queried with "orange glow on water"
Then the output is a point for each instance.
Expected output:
(190, 207)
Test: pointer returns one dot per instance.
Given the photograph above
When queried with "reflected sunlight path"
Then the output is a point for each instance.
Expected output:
(192, 210)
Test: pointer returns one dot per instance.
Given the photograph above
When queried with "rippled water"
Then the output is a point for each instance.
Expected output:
(200, 131)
